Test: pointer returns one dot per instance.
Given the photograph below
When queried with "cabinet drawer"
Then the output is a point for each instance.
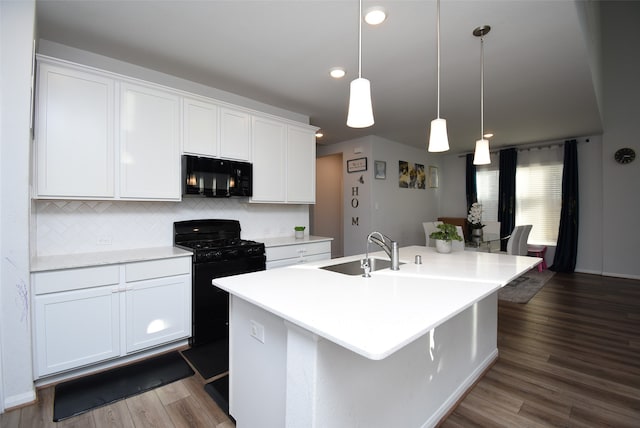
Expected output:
(298, 250)
(75, 279)
(288, 262)
(157, 268)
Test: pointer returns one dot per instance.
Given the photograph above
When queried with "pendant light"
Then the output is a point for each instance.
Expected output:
(482, 156)
(438, 139)
(360, 110)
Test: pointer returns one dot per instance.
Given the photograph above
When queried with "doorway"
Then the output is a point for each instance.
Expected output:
(326, 216)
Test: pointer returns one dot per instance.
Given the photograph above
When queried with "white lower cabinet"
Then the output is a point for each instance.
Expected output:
(157, 311)
(89, 315)
(76, 328)
(294, 253)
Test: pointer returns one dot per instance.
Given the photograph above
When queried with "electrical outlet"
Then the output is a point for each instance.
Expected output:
(257, 331)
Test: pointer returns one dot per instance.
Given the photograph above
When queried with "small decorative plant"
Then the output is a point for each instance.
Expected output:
(299, 228)
(475, 216)
(446, 232)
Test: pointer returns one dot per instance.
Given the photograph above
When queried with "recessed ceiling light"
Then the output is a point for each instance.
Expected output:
(319, 134)
(375, 15)
(337, 72)
(488, 135)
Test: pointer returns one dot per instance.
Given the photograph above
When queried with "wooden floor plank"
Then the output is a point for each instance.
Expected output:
(570, 354)
(115, 415)
(147, 411)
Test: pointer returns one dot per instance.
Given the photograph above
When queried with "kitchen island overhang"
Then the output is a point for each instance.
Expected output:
(397, 349)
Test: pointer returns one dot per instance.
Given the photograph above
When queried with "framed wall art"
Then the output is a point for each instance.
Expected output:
(433, 176)
(380, 168)
(356, 165)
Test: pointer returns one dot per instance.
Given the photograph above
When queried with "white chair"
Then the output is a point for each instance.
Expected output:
(458, 245)
(492, 228)
(513, 244)
(523, 250)
(517, 243)
(429, 227)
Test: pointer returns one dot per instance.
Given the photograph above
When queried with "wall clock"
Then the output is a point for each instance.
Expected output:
(625, 155)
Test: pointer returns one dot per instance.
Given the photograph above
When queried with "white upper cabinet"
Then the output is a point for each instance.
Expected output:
(101, 135)
(149, 143)
(74, 152)
(215, 130)
(269, 154)
(234, 134)
(301, 165)
(200, 130)
(284, 162)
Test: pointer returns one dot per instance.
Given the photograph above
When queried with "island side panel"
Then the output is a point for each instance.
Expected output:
(257, 370)
(414, 387)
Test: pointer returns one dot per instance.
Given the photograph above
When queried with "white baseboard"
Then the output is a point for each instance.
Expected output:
(621, 275)
(20, 399)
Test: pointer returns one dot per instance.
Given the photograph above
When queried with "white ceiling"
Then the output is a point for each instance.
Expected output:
(538, 83)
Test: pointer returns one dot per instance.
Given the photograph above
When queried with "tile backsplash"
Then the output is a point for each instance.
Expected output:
(69, 227)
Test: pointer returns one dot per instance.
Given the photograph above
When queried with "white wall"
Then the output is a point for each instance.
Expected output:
(16, 40)
(381, 204)
(621, 199)
(399, 212)
(326, 215)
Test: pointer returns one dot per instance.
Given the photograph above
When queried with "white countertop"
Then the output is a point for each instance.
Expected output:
(291, 240)
(69, 261)
(376, 316)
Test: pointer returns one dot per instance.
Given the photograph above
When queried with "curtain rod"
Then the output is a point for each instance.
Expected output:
(523, 147)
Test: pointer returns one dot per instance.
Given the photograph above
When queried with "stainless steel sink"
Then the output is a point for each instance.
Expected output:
(355, 268)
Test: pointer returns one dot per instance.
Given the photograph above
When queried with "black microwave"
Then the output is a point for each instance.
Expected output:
(215, 178)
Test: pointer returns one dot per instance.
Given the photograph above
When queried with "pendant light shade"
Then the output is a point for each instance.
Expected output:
(438, 139)
(360, 113)
(481, 155)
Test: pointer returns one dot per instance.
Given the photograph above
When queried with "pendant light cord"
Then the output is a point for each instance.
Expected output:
(438, 41)
(360, 43)
(482, 88)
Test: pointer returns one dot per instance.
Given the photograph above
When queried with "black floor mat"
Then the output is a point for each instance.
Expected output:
(80, 395)
(219, 391)
(210, 359)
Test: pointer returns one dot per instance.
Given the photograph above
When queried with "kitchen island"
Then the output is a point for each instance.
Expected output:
(315, 348)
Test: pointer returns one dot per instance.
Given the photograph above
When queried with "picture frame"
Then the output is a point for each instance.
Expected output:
(356, 165)
(433, 176)
(380, 169)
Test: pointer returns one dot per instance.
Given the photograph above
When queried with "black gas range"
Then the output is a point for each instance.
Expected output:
(218, 251)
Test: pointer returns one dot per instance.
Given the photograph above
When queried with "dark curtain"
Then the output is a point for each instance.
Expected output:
(507, 193)
(567, 248)
(472, 189)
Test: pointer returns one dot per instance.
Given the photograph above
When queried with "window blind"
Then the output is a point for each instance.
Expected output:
(538, 192)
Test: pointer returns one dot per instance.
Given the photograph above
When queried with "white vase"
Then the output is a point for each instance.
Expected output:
(443, 246)
(299, 234)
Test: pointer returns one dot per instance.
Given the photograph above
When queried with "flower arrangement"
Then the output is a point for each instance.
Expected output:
(475, 216)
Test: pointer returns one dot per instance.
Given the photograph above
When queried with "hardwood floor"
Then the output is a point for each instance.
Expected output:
(181, 404)
(568, 358)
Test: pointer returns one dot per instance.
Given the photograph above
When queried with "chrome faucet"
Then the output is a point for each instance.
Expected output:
(389, 246)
